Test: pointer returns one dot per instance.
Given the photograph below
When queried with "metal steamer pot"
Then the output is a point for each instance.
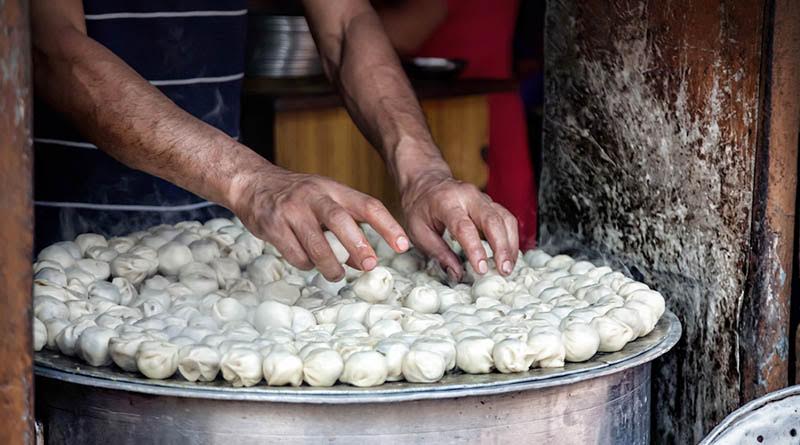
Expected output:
(769, 419)
(602, 401)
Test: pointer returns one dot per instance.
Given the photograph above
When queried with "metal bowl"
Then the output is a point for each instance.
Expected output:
(604, 400)
(281, 46)
(768, 419)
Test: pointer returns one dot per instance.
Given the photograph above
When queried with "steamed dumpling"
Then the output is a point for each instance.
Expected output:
(322, 367)
(68, 337)
(198, 363)
(265, 269)
(199, 277)
(614, 334)
(546, 347)
(172, 256)
(423, 366)
(204, 250)
(241, 367)
(157, 359)
(374, 286)
(394, 350)
(92, 345)
(39, 334)
(131, 267)
(366, 368)
(281, 367)
(272, 314)
(474, 355)
(581, 341)
(512, 355)
(423, 299)
(85, 241)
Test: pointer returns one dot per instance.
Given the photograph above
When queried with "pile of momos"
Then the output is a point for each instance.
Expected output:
(208, 301)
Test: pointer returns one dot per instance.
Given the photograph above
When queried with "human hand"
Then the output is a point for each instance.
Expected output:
(435, 202)
(289, 210)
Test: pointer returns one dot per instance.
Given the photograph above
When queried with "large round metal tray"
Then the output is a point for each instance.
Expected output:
(644, 350)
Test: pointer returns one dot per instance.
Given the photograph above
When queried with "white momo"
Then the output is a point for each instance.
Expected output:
(366, 368)
(322, 367)
(512, 355)
(283, 368)
(172, 256)
(374, 286)
(423, 299)
(93, 345)
(581, 341)
(474, 355)
(241, 367)
(423, 366)
(157, 359)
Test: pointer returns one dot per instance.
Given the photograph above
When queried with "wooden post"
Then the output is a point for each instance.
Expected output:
(16, 226)
(764, 324)
(669, 138)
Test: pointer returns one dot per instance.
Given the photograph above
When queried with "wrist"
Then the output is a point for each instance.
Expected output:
(413, 162)
(250, 175)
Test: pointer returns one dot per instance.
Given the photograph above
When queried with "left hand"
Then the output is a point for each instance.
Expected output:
(436, 201)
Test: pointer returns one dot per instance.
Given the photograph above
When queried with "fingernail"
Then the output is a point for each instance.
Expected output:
(482, 267)
(507, 267)
(451, 274)
(369, 263)
(402, 243)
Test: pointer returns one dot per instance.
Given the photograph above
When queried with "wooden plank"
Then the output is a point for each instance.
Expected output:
(651, 123)
(16, 226)
(326, 142)
(764, 327)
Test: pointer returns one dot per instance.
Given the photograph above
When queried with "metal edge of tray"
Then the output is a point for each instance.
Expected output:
(746, 410)
(637, 353)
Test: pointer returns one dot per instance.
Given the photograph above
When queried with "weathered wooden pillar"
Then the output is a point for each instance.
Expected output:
(668, 148)
(16, 226)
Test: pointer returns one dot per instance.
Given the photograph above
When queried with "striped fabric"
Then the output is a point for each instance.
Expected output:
(191, 50)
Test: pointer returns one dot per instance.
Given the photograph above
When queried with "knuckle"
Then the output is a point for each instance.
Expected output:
(494, 221)
(463, 228)
(338, 216)
(316, 248)
(372, 206)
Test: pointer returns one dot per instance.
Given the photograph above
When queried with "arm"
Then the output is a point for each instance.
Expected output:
(359, 60)
(135, 123)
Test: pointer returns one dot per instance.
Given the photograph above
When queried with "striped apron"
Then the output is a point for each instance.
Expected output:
(191, 50)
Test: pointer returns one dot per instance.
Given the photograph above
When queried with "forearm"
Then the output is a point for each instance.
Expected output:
(361, 62)
(132, 121)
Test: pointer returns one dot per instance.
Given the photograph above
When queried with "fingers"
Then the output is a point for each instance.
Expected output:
(432, 245)
(307, 229)
(463, 229)
(512, 229)
(341, 223)
(287, 244)
(370, 210)
(493, 225)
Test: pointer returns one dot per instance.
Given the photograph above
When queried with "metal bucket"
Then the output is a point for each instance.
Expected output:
(771, 419)
(603, 401)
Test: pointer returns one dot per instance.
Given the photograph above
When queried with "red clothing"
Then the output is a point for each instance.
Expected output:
(481, 32)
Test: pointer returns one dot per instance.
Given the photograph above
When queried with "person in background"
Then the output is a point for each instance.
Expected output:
(155, 86)
(480, 32)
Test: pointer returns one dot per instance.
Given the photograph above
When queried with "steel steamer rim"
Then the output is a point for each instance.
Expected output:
(638, 353)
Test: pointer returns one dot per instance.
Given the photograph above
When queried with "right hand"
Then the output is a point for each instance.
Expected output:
(289, 210)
